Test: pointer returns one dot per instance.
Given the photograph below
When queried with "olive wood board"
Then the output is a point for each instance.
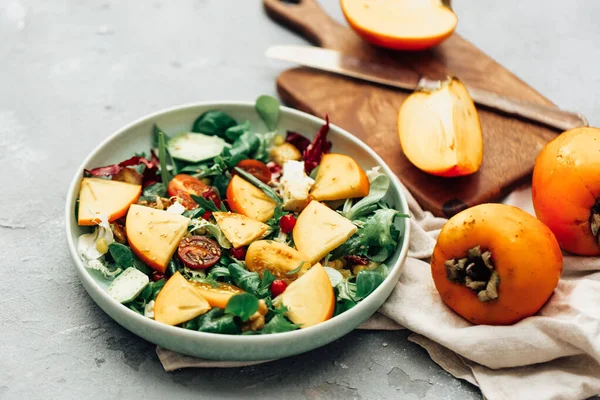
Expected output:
(370, 111)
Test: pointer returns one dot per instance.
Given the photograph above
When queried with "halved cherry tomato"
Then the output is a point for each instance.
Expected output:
(198, 252)
(183, 185)
(256, 168)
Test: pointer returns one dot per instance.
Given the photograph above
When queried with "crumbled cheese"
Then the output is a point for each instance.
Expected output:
(176, 208)
(149, 309)
(295, 186)
(86, 244)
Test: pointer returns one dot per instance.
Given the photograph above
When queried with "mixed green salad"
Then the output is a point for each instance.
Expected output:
(228, 230)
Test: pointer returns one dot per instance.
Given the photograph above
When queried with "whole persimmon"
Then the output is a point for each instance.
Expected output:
(566, 189)
(495, 264)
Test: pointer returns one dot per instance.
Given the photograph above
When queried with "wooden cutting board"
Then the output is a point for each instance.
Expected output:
(370, 111)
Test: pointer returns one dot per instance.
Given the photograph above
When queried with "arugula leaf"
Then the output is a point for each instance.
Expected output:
(242, 147)
(121, 254)
(219, 272)
(297, 269)
(379, 187)
(214, 321)
(242, 305)
(265, 141)
(205, 203)
(213, 122)
(162, 156)
(268, 109)
(173, 266)
(265, 283)
(269, 191)
(376, 238)
(146, 296)
(214, 230)
(244, 279)
(367, 282)
(197, 212)
(279, 323)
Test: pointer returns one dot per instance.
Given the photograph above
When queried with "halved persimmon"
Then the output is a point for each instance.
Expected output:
(401, 24)
(566, 189)
(440, 132)
(495, 264)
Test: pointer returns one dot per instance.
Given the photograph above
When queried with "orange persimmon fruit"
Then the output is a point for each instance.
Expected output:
(566, 189)
(401, 24)
(439, 130)
(495, 264)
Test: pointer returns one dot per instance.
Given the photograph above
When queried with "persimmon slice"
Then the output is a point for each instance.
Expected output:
(440, 132)
(400, 24)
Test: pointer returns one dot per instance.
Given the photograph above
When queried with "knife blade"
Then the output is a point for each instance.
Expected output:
(406, 79)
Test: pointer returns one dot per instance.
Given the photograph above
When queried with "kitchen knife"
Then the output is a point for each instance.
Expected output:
(338, 63)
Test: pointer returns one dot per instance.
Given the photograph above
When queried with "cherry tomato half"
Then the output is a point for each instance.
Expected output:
(256, 168)
(287, 223)
(198, 252)
(183, 185)
(277, 287)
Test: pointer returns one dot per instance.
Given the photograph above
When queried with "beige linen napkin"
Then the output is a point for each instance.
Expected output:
(553, 355)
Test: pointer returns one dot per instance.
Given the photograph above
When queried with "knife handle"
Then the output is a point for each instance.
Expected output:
(547, 115)
(309, 19)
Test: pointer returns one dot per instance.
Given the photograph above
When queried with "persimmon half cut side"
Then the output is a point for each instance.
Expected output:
(495, 264)
(400, 24)
(440, 131)
(566, 189)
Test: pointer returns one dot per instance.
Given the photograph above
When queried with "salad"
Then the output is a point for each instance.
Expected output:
(227, 230)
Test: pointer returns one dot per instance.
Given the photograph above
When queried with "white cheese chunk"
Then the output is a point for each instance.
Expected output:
(149, 310)
(295, 186)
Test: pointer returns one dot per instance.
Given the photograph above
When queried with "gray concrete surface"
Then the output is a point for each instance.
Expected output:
(72, 72)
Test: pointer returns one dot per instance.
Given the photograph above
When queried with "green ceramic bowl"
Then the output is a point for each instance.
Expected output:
(136, 137)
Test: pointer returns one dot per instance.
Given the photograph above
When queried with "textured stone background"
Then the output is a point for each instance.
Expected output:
(72, 72)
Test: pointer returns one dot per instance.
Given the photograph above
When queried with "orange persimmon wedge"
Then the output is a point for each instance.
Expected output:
(339, 177)
(400, 24)
(440, 132)
(103, 197)
(245, 198)
(217, 296)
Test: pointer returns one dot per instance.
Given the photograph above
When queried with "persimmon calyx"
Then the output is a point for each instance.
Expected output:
(476, 272)
(595, 220)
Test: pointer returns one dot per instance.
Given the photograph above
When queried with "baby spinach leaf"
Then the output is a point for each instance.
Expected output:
(221, 182)
(231, 134)
(279, 323)
(367, 282)
(242, 305)
(121, 254)
(268, 109)
(214, 321)
(379, 187)
(213, 122)
(141, 266)
(343, 305)
(269, 191)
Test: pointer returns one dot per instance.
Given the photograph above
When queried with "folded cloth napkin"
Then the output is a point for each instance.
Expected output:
(552, 355)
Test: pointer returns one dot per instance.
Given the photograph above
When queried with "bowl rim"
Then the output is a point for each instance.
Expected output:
(163, 329)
